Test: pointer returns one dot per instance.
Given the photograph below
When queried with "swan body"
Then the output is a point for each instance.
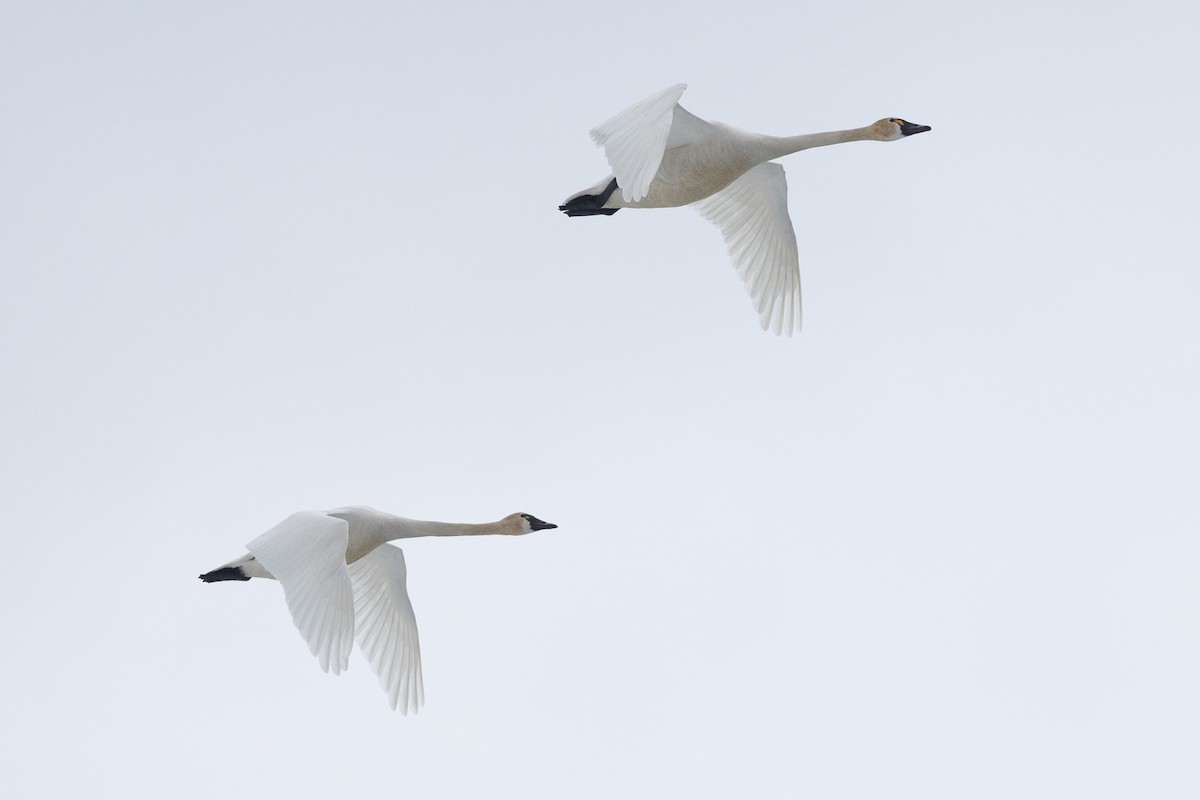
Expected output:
(662, 156)
(341, 581)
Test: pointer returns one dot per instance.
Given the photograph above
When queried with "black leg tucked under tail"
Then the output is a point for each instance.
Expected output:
(225, 574)
(591, 204)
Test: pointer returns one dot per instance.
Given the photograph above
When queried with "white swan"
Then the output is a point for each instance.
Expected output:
(662, 156)
(341, 581)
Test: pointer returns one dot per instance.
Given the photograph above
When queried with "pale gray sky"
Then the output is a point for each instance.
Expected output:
(264, 257)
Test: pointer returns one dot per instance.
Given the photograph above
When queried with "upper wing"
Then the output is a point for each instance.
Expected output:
(387, 627)
(635, 139)
(752, 215)
(307, 554)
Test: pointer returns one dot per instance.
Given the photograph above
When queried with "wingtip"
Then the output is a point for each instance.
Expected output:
(778, 326)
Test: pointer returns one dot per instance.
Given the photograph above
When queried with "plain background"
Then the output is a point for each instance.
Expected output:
(264, 257)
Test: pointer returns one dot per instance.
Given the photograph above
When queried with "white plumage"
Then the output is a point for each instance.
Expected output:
(662, 156)
(342, 581)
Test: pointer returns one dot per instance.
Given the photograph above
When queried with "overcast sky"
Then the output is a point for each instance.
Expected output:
(265, 257)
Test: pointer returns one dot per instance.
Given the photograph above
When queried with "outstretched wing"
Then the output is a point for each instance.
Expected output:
(307, 554)
(387, 626)
(753, 217)
(635, 139)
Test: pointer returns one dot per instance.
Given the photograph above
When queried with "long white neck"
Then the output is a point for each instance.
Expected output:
(778, 146)
(370, 528)
(412, 528)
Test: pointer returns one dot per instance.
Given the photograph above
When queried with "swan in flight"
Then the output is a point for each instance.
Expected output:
(341, 580)
(662, 156)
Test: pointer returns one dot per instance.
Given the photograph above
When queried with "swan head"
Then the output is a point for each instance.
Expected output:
(520, 524)
(893, 128)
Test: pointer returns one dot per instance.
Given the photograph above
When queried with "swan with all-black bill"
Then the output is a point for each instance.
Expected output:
(342, 580)
(662, 156)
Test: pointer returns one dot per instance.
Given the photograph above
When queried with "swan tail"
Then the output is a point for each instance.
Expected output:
(588, 205)
(225, 574)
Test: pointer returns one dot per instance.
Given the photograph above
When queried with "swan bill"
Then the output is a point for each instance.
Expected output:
(908, 129)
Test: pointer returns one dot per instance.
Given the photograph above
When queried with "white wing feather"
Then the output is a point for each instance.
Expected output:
(635, 139)
(387, 626)
(753, 217)
(307, 555)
